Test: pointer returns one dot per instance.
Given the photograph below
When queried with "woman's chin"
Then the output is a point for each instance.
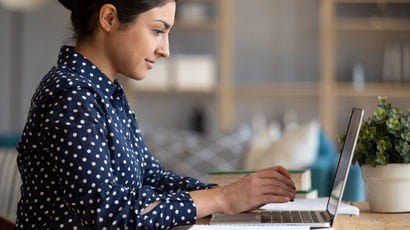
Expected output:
(137, 77)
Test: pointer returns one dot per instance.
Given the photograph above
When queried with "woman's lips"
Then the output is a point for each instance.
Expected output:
(150, 64)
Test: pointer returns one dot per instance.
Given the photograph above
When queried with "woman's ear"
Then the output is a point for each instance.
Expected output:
(108, 17)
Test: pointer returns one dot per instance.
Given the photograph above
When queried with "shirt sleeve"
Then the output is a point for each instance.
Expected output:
(76, 138)
(168, 180)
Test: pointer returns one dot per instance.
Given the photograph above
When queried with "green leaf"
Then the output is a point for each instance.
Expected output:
(372, 132)
(403, 148)
(382, 99)
(406, 122)
(406, 136)
(393, 124)
(379, 114)
(397, 113)
(381, 146)
(381, 158)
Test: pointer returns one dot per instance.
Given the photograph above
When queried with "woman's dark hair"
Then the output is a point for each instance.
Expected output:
(84, 13)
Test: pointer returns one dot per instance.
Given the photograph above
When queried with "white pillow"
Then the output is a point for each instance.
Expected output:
(297, 149)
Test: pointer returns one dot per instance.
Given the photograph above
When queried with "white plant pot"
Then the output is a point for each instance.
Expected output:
(387, 187)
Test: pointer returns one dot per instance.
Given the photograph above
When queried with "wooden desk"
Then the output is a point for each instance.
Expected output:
(371, 220)
(366, 220)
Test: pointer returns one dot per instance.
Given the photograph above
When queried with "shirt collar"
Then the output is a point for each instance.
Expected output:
(78, 63)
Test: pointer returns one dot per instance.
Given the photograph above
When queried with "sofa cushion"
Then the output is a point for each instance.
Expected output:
(9, 140)
(296, 149)
(10, 182)
(190, 154)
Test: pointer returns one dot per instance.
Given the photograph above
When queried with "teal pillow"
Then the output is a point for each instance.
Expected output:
(9, 140)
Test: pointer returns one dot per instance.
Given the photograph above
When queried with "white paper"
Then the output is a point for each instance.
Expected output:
(247, 227)
(312, 204)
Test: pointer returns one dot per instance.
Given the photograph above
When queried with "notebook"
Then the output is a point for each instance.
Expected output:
(318, 204)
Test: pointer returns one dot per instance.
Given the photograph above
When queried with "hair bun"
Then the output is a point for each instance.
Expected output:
(67, 3)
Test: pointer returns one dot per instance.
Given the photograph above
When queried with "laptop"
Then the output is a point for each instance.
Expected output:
(314, 219)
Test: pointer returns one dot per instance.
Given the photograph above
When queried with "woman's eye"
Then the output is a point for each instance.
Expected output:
(158, 32)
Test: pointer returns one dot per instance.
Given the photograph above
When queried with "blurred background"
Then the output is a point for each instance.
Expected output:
(245, 78)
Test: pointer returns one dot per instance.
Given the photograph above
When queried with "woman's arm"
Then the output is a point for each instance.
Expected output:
(270, 185)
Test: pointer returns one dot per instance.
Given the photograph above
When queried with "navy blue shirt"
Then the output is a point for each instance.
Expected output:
(83, 162)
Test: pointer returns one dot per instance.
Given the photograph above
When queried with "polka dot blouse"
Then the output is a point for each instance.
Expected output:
(83, 162)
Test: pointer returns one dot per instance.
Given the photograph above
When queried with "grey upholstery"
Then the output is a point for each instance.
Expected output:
(10, 182)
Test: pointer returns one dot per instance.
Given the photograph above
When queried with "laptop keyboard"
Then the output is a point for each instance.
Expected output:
(294, 216)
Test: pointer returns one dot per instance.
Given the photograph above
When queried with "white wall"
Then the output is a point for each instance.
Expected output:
(276, 40)
(5, 62)
(43, 31)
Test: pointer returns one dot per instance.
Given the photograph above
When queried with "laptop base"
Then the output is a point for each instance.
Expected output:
(255, 219)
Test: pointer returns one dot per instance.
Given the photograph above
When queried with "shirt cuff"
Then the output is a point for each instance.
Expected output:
(175, 209)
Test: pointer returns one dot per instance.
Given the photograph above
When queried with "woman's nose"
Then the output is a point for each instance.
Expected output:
(163, 50)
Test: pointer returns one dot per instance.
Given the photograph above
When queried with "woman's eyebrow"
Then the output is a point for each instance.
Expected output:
(167, 26)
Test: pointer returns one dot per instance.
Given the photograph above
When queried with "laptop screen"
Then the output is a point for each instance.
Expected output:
(345, 160)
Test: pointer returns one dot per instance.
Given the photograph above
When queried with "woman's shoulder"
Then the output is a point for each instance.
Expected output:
(62, 78)
(60, 83)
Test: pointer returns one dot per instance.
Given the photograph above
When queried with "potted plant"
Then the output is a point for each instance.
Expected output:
(383, 152)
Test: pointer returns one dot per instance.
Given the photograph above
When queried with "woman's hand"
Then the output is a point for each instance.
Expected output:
(270, 185)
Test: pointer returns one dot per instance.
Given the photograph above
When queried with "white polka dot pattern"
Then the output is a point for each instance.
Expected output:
(83, 161)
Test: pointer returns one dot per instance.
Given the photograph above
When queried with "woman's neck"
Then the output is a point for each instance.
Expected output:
(95, 52)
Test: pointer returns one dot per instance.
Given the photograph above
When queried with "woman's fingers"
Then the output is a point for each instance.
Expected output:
(283, 171)
(270, 185)
(281, 177)
(280, 169)
(274, 181)
(262, 187)
(275, 175)
(277, 183)
(277, 191)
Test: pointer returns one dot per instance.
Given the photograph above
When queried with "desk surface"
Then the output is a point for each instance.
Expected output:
(371, 220)
(366, 220)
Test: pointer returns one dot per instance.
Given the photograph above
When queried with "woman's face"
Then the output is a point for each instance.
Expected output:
(133, 50)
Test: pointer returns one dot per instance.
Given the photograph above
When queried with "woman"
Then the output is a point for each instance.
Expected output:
(82, 158)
